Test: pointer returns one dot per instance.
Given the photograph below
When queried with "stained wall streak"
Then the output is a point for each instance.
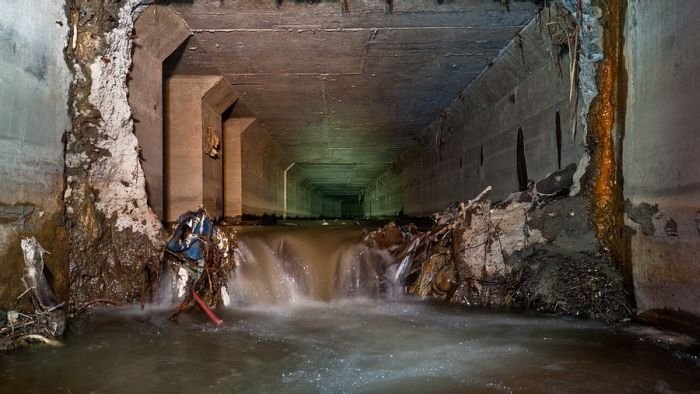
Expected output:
(605, 122)
(115, 237)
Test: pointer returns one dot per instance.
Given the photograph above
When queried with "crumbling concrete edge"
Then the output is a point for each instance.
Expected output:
(590, 53)
(119, 176)
(115, 237)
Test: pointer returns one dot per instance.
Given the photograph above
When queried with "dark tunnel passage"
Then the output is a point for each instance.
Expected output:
(334, 116)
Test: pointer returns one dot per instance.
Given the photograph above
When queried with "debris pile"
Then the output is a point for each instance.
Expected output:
(578, 284)
(48, 320)
(535, 250)
(199, 256)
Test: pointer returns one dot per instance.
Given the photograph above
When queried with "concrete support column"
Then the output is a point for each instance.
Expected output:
(215, 101)
(661, 156)
(233, 175)
(194, 170)
(151, 48)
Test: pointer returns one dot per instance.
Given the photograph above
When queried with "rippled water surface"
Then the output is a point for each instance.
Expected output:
(368, 346)
(275, 339)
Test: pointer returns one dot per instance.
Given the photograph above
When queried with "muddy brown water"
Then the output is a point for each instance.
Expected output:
(321, 344)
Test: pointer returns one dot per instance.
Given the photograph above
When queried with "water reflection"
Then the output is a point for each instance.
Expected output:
(353, 345)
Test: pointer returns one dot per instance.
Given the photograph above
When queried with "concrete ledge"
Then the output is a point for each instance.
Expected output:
(160, 31)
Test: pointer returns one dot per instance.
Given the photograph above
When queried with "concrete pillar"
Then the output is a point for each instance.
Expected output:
(233, 176)
(661, 156)
(215, 101)
(151, 48)
(194, 170)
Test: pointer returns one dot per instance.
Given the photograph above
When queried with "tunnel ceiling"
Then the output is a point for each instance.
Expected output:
(345, 93)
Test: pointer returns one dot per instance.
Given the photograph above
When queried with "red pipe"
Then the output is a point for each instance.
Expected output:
(210, 314)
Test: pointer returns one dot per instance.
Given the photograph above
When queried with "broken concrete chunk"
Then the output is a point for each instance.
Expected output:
(643, 215)
(518, 197)
(557, 183)
(34, 278)
(565, 223)
(387, 236)
(671, 228)
(48, 321)
(12, 317)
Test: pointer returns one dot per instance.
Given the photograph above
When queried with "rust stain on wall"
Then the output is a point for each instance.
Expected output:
(606, 122)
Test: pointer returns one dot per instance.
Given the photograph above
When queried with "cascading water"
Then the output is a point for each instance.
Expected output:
(286, 267)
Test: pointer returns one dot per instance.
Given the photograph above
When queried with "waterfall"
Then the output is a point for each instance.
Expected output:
(359, 271)
(276, 267)
(260, 276)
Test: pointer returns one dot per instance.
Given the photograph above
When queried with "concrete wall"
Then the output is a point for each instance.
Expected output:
(194, 177)
(233, 165)
(151, 48)
(262, 177)
(262, 169)
(254, 175)
(34, 82)
(325, 206)
(299, 198)
(183, 185)
(661, 157)
(305, 202)
(351, 209)
(472, 144)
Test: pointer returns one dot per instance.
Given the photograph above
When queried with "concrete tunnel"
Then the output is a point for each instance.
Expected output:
(116, 120)
(334, 115)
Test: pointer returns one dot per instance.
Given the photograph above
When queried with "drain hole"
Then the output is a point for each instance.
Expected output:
(558, 136)
(520, 163)
(481, 156)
